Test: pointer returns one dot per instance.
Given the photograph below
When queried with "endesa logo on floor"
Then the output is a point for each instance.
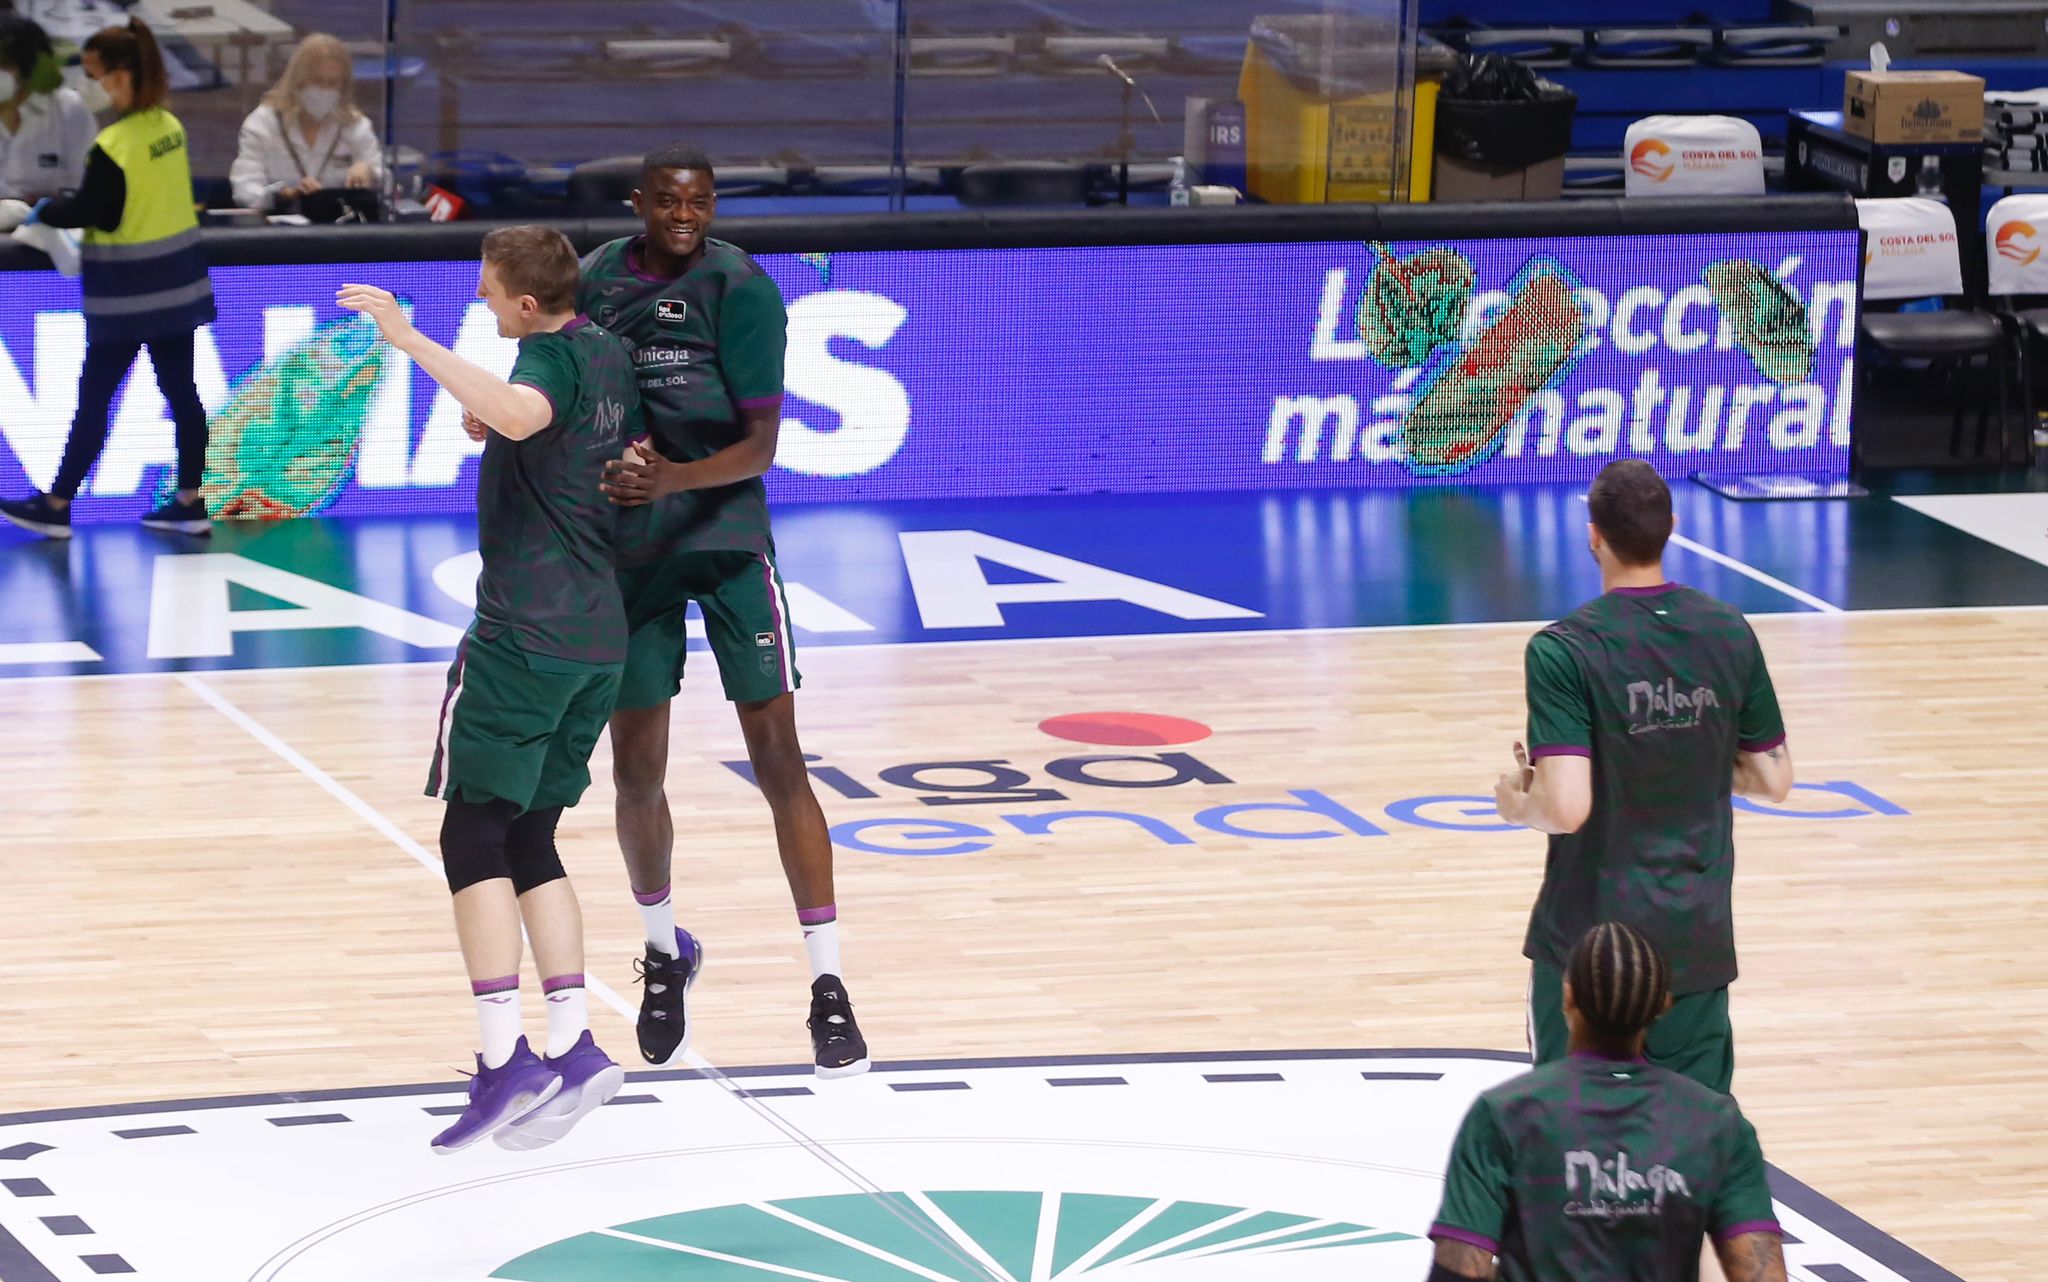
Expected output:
(1156, 788)
(980, 373)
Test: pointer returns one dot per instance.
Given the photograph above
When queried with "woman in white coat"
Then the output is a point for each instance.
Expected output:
(308, 135)
(45, 128)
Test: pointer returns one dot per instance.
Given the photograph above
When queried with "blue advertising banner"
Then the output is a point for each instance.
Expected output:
(976, 373)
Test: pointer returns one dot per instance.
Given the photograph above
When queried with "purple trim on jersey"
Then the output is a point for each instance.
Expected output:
(1467, 1236)
(576, 322)
(1749, 1226)
(560, 982)
(761, 402)
(641, 273)
(651, 898)
(554, 411)
(817, 916)
(1658, 590)
(1761, 745)
(1542, 750)
(485, 987)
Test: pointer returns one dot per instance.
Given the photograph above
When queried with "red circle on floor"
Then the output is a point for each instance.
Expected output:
(1124, 729)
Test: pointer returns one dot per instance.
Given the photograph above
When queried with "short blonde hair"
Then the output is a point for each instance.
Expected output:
(313, 50)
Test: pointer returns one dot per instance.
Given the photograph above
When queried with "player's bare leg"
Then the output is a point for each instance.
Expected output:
(647, 840)
(805, 844)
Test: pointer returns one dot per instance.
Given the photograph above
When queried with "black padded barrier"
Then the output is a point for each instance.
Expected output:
(1044, 229)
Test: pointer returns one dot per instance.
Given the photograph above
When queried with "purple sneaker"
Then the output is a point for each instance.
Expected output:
(589, 1078)
(664, 1026)
(499, 1096)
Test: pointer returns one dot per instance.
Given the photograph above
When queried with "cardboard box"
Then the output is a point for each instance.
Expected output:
(1914, 106)
(1461, 180)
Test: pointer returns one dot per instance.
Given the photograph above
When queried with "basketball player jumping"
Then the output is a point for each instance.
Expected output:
(1601, 1164)
(534, 678)
(707, 327)
(1648, 707)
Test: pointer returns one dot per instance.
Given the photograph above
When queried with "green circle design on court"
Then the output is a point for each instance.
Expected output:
(853, 1237)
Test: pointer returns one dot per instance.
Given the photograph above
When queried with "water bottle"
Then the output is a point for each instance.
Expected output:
(1177, 190)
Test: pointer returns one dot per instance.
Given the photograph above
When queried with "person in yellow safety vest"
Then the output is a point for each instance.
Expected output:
(144, 280)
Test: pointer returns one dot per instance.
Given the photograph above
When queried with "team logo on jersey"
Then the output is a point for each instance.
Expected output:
(1614, 1190)
(1666, 707)
(607, 314)
(671, 311)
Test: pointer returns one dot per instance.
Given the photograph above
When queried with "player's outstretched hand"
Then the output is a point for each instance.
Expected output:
(473, 427)
(639, 476)
(380, 306)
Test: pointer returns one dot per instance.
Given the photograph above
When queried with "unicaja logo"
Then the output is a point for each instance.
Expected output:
(2016, 241)
(1651, 159)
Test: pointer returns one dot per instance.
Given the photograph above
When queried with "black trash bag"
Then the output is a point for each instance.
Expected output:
(1495, 112)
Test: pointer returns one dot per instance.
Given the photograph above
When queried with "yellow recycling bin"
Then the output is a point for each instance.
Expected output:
(1324, 113)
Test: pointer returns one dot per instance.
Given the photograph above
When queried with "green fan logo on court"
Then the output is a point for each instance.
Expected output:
(937, 1237)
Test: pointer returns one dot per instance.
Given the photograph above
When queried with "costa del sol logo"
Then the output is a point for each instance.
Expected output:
(2018, 242)
(1652, 159)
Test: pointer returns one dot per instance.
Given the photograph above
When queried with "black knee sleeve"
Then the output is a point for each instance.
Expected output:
(530, 849)
(473, 841)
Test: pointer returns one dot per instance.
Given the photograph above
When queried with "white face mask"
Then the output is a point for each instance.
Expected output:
(8, 84)
(319, 103)
(95, 96)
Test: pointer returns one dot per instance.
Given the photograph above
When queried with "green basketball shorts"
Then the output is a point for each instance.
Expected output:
(746, 620)
(517, 732)
(1694, 1037)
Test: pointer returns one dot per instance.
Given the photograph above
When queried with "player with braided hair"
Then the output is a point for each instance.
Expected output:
(1600, 1164)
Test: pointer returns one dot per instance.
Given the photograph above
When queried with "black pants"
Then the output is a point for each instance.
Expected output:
(106, 364)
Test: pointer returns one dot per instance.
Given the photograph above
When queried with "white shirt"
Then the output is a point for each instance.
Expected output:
(46, 154)
(268, 160)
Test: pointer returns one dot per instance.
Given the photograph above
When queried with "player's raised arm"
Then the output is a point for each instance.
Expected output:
(514, 410)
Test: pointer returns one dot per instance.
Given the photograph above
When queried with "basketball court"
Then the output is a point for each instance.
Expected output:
(1175, 908)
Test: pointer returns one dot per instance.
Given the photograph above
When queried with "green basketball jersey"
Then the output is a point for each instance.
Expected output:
(1591, 1168)
(707, 344)
(547, 532)
(1660, 687)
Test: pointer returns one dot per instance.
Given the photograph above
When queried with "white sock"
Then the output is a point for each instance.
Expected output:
(821, 941)
(658, 916)
(568, 1013)
(497, 1017)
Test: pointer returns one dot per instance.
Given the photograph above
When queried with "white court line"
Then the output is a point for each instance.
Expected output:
(1819, 607)
(1749, 571)
(47, 652)
(362, 810)
(399, 837)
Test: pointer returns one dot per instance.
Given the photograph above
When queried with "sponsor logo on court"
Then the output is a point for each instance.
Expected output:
(1086, 791)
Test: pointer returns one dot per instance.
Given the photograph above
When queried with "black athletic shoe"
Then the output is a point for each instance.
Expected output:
(664, 1016)
(841, 1050)
(38, 515)
(180, 518)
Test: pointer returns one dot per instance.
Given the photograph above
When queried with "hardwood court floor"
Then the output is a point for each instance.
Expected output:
(191, 914)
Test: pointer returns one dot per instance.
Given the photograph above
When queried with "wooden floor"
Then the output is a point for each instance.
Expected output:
(190, 913)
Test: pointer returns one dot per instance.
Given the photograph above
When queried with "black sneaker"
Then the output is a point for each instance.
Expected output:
(664, 1019)
(180, 518)
(841, 1050)
(38, 515)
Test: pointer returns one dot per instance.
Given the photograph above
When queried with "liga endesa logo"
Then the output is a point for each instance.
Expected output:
(2017, 241)
(1306, 813)
(1652, 159)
